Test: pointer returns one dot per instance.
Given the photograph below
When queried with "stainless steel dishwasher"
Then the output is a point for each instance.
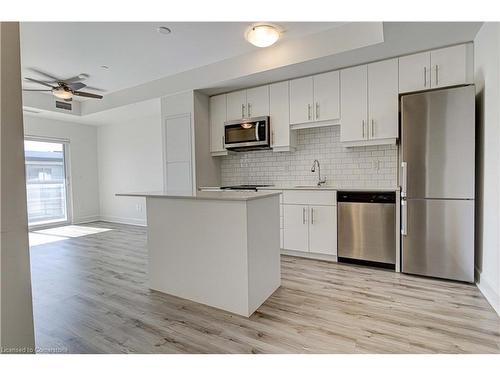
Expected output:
(367, 227)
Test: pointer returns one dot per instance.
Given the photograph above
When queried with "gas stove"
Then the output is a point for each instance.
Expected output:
(244, 187)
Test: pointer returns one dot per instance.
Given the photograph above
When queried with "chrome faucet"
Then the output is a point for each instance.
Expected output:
(313, 169)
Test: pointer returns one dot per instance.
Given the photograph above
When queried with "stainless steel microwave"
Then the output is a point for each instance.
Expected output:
(247, 134)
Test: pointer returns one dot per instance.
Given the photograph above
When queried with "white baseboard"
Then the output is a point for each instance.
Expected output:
(488, 292)
(85, 219)
(124, 220)
(302, 254)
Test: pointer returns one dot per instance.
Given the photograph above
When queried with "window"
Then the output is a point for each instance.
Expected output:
(46, 185)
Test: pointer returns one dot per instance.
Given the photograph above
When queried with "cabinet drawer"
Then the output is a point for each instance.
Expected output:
(324, 197)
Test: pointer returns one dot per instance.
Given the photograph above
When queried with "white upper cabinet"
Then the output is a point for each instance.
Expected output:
(369, 98)
(253, 102)
(354, 102)
(449, 66)
(236, 105)
(301, 100)
(414, 72)
(315, 99)
(383, 100)
(439, 68)
(258, 101)
(217, 119)
(326, 96)
(282, 138)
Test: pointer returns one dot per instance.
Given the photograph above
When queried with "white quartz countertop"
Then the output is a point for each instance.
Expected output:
(313, 188)
(223, 195)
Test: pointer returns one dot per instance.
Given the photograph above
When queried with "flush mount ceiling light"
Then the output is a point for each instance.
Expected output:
(263, 35)
(164, 30)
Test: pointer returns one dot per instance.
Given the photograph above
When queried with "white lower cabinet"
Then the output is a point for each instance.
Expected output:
(296, 227)
(323, 229)
(310, 222)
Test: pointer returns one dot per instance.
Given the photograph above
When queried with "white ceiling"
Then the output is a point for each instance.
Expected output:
(134, 51)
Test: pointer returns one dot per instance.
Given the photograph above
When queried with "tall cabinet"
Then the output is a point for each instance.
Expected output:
(187, 161)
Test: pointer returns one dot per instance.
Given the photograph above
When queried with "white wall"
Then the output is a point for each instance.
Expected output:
(83, 161)
(130, 159)
(487, 80)
(16, 311)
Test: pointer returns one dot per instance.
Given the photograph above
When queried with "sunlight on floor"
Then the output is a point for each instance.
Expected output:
(44, 236)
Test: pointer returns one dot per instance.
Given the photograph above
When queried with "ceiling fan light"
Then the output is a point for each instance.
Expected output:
(61, 93)
(263, 35)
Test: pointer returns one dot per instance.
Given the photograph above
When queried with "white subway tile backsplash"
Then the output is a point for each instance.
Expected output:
(359, 167)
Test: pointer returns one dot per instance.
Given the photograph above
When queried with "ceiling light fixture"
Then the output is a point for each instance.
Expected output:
(263, 35)
(62, 93)
(164, 30)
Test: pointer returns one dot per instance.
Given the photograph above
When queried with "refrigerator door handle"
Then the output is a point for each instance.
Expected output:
(404, 217)
(404, 177)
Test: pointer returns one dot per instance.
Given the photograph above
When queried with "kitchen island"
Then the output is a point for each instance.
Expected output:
(218, 248)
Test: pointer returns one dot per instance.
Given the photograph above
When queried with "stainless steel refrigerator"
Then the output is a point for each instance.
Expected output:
(437, 157)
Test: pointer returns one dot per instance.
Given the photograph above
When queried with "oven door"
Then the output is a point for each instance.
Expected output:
(247, 133)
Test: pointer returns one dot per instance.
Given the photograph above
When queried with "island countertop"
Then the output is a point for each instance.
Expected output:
(210, 195)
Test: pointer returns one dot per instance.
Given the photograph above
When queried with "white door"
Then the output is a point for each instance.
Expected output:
(383, 96)
(279, 114)
(354, 102)
(237, 105)
(301, 100)
(295, 231)
(327, 96)
(178, 155)
(258, 101)
(217, 119)
(323, 229)
(414, 72)
(449, 66)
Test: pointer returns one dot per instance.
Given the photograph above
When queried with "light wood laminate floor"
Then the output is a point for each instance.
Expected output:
(91, 296)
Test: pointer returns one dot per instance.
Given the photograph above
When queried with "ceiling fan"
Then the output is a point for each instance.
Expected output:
(64, 88)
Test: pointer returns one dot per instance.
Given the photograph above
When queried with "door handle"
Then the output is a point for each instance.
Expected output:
(363, 128)
(303, 215)
(404, 176)
(223, 142)
(308, 111)
(243, 111)
(437, 74)
(373, 128)
(317, 110)
(272, 138)
(312, 215)
(404, 217)
(257, 131)
(425, 76)
(248, 109)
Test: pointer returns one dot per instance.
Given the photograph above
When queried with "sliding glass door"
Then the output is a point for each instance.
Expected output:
(46, 182)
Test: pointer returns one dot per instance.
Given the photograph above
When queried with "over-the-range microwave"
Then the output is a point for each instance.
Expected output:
(247, 134)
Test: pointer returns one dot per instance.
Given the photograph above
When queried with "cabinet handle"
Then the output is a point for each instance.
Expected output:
(243, 111)
(363, 128)
(373, 128)
(223, 141)
(272, 138)
(308, 111)
(312, 215)
(437, 74)
(248, 109)
(317, 110)
(303, 215)
(425, 76)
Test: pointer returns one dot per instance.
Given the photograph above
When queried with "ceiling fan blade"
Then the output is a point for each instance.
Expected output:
(35, 90)
(39, 82)
(95, 89)
(87, 95)
(76, 85)
(80, 77)
(50, 76)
